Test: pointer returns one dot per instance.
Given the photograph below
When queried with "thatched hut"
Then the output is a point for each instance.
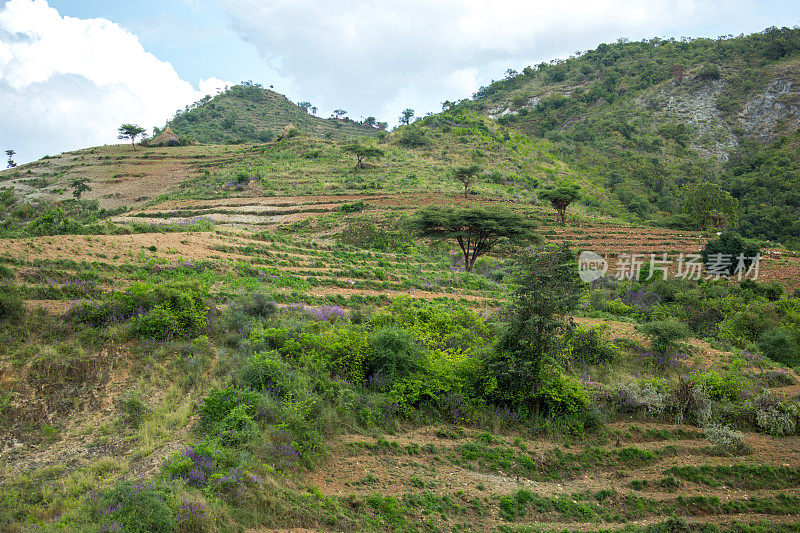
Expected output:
(166, 138)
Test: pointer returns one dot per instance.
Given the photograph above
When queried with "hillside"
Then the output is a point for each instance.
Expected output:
(251, 336)
(250, 113)
(649, 117)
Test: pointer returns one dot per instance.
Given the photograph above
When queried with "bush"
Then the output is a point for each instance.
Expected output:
(588, 346)
(136, 508)
(265, 373)
(160, 311)
(775, 417)
(726, 440)
(220, 402)
(132, 409)
(634, 396)
(393, 353)
(729, 247)
(413, 137)
(779, 344)
(258, 305)
(664, 336)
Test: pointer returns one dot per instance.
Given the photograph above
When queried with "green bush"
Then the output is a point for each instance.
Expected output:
(265, 372)
(588, 346)
(220, 402)
(137, 508)
(780, 344)
(393, 353)
(160, 311)
(729, 247)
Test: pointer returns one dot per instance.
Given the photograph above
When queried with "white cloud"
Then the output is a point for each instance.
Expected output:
(67, 82)
(377, 57)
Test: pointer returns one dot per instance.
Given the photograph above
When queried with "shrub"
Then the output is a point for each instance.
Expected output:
(634, 396)
(393, 353)
(718, 387)
(729, 247)
(413, 137)
(775, 417)
(136, 508)
(258, 305)
(726, 440)
(266, 373)
(690, 400)
(588, 346)
(133, 410)
(220, 402)
(664, 336)
(779, 344)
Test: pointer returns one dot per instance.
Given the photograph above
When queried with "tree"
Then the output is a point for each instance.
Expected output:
(10, 154)
(476, 229)
(708, 202)
(130, 131)
(363, 152)
(560, 197)
(339, 113)
(467, 176)
(304, 105)
(313, 110)
(383, 125)
(526, 368)
(406, 116)
(79, 186)
(370, 121)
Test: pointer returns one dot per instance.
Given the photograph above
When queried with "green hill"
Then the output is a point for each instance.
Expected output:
(649, 117)
(250, 113)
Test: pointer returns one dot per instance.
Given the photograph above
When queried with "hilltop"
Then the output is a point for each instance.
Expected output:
(251, 113)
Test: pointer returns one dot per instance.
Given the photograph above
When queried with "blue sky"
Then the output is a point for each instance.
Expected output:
(71, 70)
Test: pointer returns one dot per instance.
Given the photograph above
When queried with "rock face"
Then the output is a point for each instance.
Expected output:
(772, 111)
(765, 113)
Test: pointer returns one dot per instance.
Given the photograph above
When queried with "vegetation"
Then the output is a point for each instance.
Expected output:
(561, 197)
(251, 335)
(130, 131)
(476, 229)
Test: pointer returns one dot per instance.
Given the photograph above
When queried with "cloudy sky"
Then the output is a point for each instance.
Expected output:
(71, 71)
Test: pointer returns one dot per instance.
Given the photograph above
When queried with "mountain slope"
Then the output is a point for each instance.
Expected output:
(250, 113)
(650, 117)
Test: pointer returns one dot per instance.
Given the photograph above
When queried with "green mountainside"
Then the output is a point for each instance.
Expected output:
(649, 117)
(250, 113)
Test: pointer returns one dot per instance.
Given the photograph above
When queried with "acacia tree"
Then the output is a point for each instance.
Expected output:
(467, 176)
(476, 229)
(370, 121)
(304, 105)
(526, 368)
(10, 154)
(363, 152)
(406, 115)
(130, 131)
(339, 113)
(708, 202)
(560, 197)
